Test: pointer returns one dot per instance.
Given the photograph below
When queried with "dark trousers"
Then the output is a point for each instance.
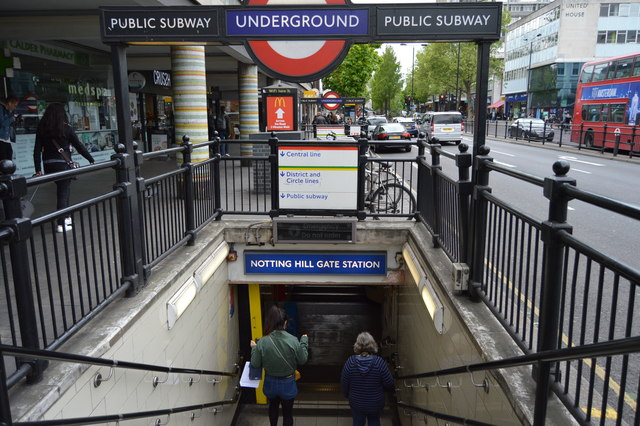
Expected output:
(63, 186)
(6, 151)
(287, 411)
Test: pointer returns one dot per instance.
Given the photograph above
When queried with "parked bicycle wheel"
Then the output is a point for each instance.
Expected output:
(393, 198)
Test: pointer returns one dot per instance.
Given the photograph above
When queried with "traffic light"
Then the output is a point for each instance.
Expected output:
(442, 97)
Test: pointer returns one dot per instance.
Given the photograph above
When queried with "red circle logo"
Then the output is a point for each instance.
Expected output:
(297, 60)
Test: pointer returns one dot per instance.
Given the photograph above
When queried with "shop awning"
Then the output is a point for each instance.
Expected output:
(496, 104)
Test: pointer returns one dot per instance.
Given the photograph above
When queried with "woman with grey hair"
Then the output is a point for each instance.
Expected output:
(364, 377)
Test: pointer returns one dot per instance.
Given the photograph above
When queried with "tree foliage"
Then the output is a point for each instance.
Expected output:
(437, 72)
(386, 86)
(351, 77)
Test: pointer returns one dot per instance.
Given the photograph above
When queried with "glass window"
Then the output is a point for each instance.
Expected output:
(613, 9)
(576, 68)
(611, 36)
(622, 37)
(631, 36)
(600, 72)
(634, 9)
(624, 68)
(587, 74)
(560, 67)
(624, 9)
(604, 10)
(636, 67)
(593, 113)
(616, 114)
(602, 37)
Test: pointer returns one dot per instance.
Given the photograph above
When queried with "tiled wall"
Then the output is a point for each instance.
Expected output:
(204, 337)
(421, 349)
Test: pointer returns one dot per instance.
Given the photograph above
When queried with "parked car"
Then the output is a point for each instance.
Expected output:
(392, 132)
(373, 121)
(408, 124)
(531, 128)
(445, 126)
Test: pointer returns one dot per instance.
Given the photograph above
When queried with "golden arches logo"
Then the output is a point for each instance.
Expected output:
(279, 102)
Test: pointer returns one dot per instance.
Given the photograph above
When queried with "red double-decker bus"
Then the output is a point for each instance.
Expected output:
(608, 103)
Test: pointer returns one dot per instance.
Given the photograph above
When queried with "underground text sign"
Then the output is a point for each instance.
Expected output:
(345, 263)
(318, 177)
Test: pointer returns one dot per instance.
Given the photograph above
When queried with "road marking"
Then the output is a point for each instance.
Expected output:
(581, 171)
(566, 157)
(504, 164)
(503, 153)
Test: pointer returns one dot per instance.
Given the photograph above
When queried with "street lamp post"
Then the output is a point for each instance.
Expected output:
(457, 78)
(529, 70)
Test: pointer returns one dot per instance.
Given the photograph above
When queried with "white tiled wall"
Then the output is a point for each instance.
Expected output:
(421, 349)
(204, 337)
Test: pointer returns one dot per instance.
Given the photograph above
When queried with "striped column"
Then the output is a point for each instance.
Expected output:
(248, 85)
(190, 98)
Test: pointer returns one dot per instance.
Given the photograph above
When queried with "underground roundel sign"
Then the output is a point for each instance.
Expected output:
(296, 60)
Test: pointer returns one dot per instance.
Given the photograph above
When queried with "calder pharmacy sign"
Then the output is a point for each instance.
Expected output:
(323, 32)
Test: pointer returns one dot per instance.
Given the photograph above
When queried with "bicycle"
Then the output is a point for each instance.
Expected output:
(385, 191)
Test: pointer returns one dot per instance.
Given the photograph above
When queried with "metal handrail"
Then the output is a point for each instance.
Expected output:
(615, 206)
(443, 416)
(83, 359)
(593, 350)
(514, 173)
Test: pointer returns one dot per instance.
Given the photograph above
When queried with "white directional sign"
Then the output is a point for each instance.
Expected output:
(318, 177)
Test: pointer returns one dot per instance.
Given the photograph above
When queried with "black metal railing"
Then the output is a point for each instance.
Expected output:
(550, 290)
(46, 356)
(616, 137)
(444, 201)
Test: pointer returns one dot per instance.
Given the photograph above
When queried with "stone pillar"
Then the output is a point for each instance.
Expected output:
(190, 99)
(248, 85)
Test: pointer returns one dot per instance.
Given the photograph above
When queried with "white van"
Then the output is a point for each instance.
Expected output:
(446, 126)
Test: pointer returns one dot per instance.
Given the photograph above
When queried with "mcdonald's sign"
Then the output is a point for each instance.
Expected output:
(280, 113)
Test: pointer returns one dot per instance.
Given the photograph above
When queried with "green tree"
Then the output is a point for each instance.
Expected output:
(386, 86)
(437, 70)
(351, 77)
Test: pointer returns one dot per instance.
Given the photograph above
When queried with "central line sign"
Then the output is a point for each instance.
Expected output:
(318, 177)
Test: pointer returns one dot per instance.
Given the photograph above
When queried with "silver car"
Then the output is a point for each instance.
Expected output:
(531, 128)
(446, 126)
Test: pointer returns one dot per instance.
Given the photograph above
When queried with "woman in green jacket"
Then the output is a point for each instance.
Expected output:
(279, 353)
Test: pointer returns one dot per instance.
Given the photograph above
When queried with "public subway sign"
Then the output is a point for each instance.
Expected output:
(322, 33)
(340, 263)
(449, 21)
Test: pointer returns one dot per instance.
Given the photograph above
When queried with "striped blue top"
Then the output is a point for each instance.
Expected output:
(363, 382)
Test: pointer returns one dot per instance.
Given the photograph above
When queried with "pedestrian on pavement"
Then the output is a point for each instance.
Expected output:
(55, 140)
(279, 353)
(8, 127)
(222, 126)
(320, 119)
(364, 378)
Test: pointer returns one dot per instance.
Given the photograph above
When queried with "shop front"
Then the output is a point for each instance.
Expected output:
(151, 109)
(516, 105)
(80, 80)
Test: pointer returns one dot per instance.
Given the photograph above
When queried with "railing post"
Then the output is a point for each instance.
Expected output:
(435, 208)
(465, 187)
(617, 144)
(478, 221)
(561, 127)
(189, 198)
(552, 273)
(275, 185)
(363, 146)
(604, 138)
(217, 192)
(5, 406)
(12, 188)
(633, 141)
(580, 139)
(129, 230)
